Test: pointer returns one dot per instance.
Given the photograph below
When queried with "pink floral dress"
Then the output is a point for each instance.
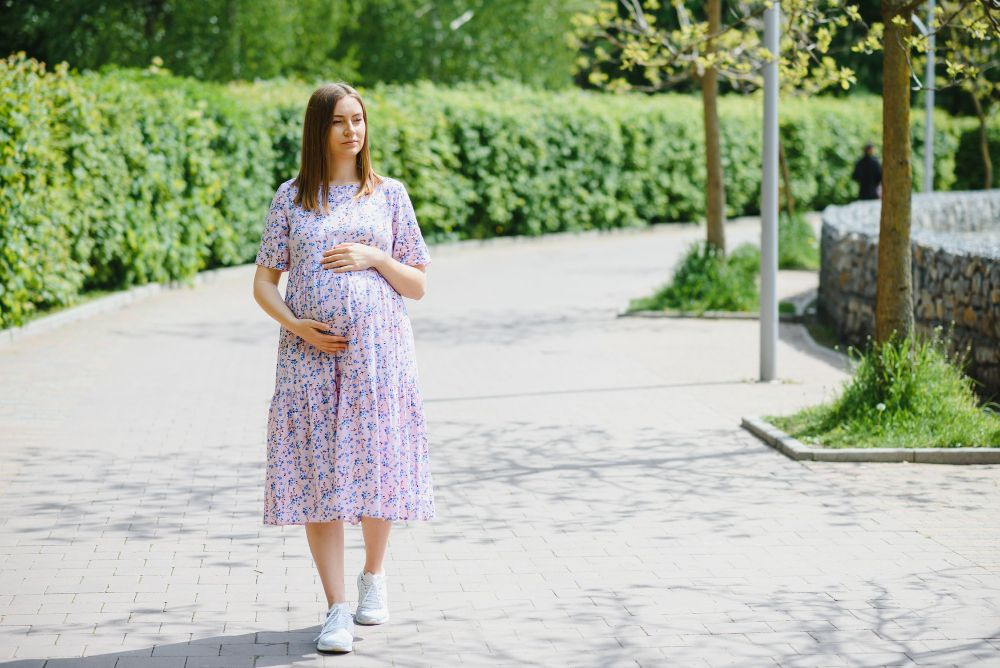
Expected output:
(345, 432)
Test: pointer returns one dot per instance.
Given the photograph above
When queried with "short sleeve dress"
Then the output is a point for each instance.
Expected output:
(346, 435)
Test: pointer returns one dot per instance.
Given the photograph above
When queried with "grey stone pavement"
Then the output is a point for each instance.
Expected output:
(598, 504)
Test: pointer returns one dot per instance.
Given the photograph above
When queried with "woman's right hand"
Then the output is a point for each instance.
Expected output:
(312, 332)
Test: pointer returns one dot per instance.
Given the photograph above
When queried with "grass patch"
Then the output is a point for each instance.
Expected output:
(705, 280)
(797, 245)
(907, 393)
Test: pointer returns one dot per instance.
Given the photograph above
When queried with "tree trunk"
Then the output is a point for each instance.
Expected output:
(715, 193)
(893, 289)
(984, 146)
(235, 45)
(786, 178)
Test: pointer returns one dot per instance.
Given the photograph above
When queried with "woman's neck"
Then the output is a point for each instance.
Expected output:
(344, 174)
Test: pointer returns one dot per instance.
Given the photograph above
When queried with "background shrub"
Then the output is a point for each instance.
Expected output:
(131, 176)
(968, 159)
(798, 247)
(705, 280)
(906, 392)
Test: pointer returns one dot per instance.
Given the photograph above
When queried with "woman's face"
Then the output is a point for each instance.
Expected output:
(347, 134)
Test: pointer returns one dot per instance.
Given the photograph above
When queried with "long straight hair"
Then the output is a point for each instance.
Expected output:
(315, 168)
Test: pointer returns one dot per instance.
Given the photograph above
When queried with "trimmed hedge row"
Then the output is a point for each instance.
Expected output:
(133, 176)
(969, 172)
(112, 181)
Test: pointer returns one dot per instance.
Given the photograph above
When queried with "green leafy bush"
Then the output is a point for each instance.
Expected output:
(968, 157)
(907, 392)
(705, 280)
(797, 244)
(132, 176)
(42, 257)
(122, 178)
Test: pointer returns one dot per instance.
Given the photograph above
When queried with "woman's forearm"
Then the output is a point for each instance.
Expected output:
(407, 281)
(266, 294)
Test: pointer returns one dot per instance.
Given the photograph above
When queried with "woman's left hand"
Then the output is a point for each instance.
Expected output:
(352, 257)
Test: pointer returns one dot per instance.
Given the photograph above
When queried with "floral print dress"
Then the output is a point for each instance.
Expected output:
(345, 431)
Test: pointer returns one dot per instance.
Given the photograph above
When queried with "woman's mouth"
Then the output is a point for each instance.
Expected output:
(353, 141)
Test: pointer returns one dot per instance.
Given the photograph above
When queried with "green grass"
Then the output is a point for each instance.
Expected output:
(907, 393)
(797, 245)
(706, 281)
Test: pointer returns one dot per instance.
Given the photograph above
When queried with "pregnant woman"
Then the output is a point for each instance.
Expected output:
(346, 439)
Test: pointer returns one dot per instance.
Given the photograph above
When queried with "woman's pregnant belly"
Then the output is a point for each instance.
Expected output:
(330, 297)
(342, 300)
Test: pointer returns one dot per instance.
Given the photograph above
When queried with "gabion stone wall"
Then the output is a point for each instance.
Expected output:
(955, 241)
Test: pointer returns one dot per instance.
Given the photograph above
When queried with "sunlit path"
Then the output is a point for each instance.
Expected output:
(598, 504)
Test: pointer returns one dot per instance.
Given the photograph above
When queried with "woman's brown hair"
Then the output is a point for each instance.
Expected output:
(315, 167)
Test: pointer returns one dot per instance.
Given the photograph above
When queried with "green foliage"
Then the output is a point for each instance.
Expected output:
(705, 280)
(362, 41)
(183, 190)
(503, 159)
(121, 179)
(797, 245)
(614, 38)
(39, 252)
(132, 176)
(947, 136)
(822, 143)
(908, 392)
(209, 39)
(448, 41)
(968, 157)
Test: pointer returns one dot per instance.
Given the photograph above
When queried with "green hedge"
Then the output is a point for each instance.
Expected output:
(969, 169)
(134, 176)
(112, 181)
(502, 159)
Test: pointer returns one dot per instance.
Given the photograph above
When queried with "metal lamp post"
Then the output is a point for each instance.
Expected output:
(769, 201)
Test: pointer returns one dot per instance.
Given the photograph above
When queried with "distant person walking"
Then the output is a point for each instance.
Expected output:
(868, 174)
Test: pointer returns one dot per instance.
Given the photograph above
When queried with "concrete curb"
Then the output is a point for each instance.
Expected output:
(804, 306)
(795, 449)
(707, 315)
(108, 303)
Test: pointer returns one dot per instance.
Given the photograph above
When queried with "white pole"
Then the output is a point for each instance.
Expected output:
(929, 104)
(769, 201)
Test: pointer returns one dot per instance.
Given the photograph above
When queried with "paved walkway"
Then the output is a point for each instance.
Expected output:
(598, 504)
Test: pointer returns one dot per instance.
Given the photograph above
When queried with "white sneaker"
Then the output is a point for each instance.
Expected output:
(337, 633)
(373, 599)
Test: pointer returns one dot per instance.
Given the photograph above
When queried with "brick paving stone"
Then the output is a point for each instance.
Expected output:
(99, 661)
(219, 662)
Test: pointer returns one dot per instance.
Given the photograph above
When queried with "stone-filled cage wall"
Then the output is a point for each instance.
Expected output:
(955, 262)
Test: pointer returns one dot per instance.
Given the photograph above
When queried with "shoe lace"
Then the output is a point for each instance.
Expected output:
(338, 617)
(373, 596)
